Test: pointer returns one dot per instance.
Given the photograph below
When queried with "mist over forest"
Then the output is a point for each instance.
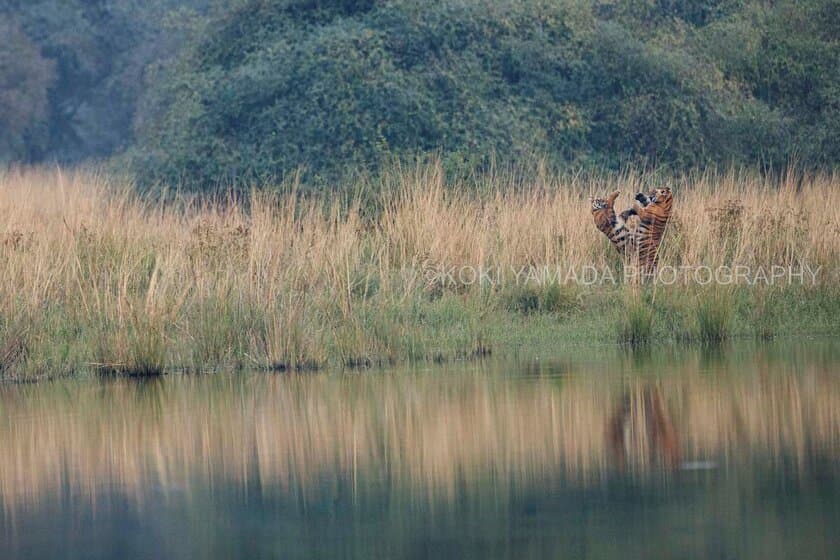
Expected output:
(203, 94)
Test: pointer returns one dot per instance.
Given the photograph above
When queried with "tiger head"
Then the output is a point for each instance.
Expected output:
(601, 204)
(661, 196)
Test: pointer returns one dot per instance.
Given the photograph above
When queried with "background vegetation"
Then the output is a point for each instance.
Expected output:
(200, 95)
(72, 72)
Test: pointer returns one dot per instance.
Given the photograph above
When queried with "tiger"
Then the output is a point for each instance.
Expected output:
(654, 211)
(614, 227)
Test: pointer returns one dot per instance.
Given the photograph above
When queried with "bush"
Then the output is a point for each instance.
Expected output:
(340, 87)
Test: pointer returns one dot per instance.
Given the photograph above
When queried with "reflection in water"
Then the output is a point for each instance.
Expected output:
(384, 464)
(657, 430)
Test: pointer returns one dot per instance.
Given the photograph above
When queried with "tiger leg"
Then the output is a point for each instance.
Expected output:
(643, 199)
(627, 213)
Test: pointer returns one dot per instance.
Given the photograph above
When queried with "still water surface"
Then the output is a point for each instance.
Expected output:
(703, 453)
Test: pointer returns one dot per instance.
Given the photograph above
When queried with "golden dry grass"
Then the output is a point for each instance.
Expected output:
(96, 276)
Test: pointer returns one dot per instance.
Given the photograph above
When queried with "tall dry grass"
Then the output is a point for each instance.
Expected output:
(95, 276)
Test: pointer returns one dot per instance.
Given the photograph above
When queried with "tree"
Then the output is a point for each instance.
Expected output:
(100, 50)
(25, 77)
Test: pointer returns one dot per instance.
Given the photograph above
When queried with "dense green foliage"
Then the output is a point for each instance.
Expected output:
(24, 78)
(81, 80)
(263, 87)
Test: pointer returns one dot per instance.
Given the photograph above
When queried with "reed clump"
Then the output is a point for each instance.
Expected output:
(635, 326)
(713, 313)
(99, 277)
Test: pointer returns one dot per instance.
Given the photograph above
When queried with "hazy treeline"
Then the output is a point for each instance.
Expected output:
(73, 72)
(200, 93)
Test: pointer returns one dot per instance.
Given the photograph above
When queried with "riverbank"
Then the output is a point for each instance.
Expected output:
(99, 279)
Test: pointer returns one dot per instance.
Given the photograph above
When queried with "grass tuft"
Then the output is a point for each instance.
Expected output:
(635, 323)
(712, 321)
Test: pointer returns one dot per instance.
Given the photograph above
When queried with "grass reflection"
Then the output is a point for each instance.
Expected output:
(425, 435)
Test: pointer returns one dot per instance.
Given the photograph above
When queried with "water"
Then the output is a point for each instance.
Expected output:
(725, 452)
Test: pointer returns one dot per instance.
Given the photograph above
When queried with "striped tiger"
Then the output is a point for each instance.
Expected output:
(614, 227)
(654, 211)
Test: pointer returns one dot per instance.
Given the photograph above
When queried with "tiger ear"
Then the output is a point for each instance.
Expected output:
(591, 200)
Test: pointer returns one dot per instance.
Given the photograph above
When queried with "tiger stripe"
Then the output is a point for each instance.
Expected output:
(653, 212)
